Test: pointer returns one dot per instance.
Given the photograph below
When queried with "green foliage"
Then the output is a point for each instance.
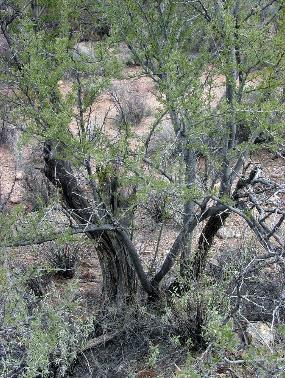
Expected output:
(221, 335)
(153, 355)
(46, 335)
(163, 39)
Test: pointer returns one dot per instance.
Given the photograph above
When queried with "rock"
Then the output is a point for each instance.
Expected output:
(19, 175)
(15, 200)
(260, 334)
(162, 138)
(85, 49)
(16, 195)
(124, 55)
(228, 233)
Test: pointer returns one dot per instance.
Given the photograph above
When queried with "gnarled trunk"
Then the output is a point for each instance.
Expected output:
(119, 276)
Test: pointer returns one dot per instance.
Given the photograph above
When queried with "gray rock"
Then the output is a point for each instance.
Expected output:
(228, 233)
(260, 334)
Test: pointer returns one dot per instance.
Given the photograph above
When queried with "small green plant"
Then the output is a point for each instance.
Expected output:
(153, 355)
(176, 340)
(63, 259)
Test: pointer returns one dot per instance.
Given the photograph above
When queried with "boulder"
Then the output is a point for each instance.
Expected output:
(228, 233)
(260, 334)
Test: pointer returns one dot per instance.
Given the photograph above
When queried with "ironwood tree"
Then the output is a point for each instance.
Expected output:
(218, 68)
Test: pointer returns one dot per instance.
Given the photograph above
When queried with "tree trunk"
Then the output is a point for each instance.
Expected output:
(190, 159)
(119, 276)
(214, 223)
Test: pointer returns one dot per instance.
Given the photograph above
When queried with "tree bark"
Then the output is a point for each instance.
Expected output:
(119, 275)
(214, 223)
(190, 159)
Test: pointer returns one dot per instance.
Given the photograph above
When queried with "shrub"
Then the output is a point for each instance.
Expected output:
(131, 107)
(38, 338)
(38, 282)
(156, 206)
(63, 259)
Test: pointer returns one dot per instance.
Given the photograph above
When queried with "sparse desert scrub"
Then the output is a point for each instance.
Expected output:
(205, 169)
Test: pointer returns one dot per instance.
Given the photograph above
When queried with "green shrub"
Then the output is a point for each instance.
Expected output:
(63, 259)
(39, 337)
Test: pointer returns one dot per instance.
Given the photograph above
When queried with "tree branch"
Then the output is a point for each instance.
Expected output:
(180, 240)
(56, 235)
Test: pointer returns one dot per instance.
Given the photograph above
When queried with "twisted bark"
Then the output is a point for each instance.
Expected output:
(118, 258)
